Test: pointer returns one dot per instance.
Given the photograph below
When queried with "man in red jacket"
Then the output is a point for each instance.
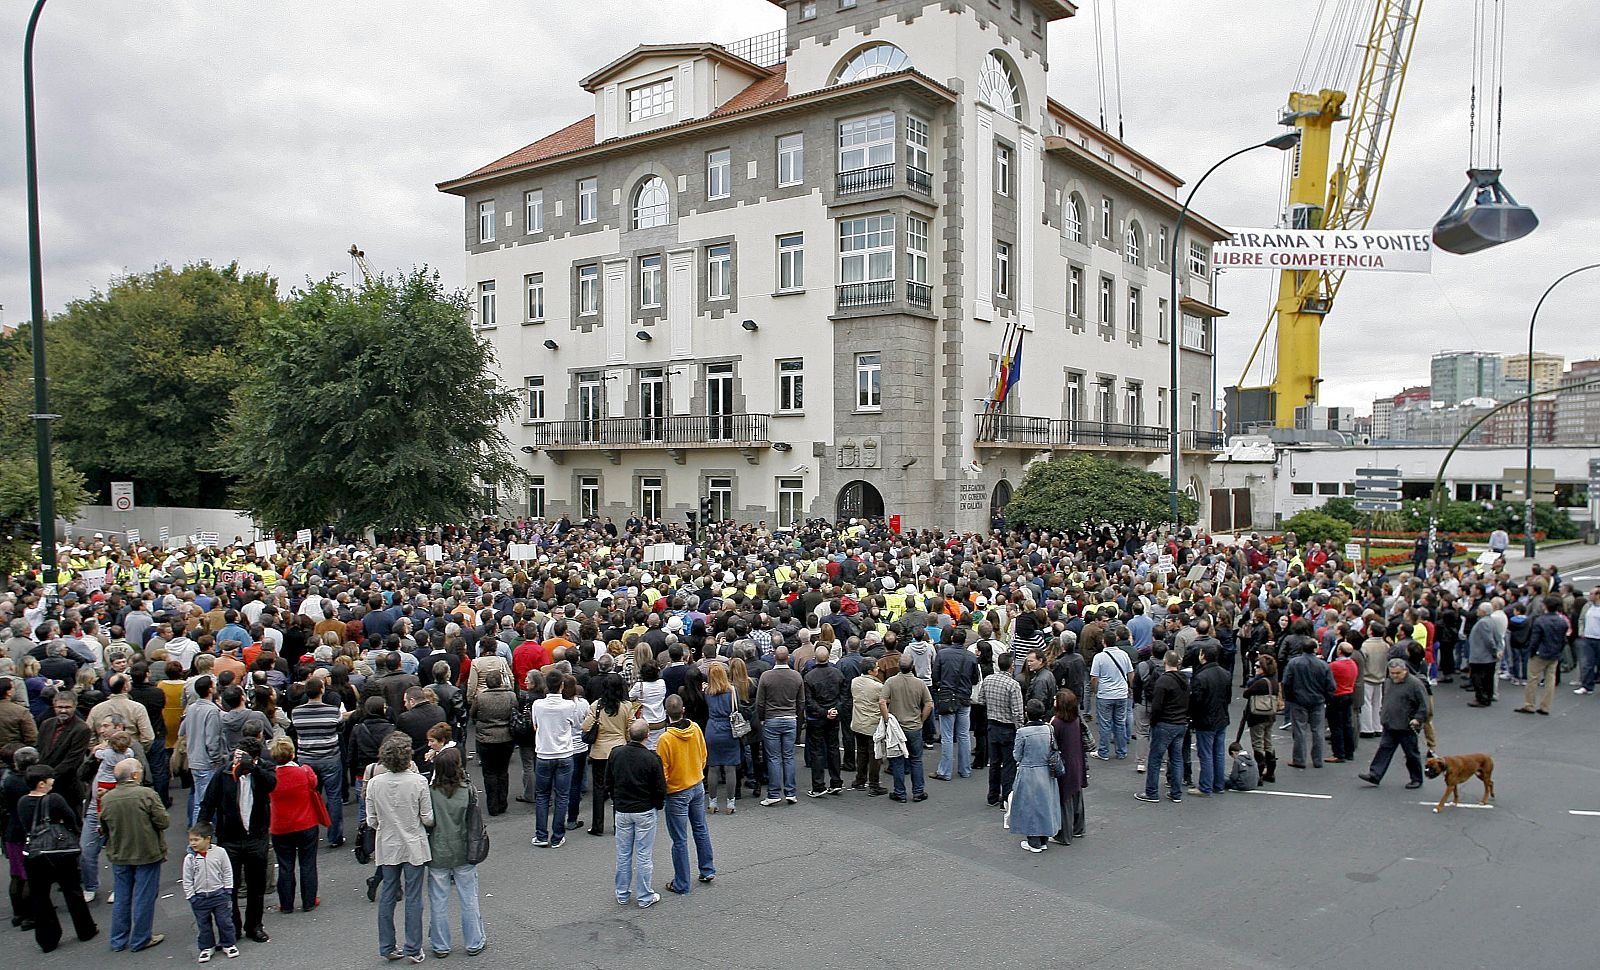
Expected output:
(1341, 710)
(529, 655)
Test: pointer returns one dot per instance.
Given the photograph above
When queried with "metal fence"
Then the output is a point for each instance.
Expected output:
(677, 430)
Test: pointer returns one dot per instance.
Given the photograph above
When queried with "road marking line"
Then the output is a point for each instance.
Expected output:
(1464, 805)
(1576, 812)
(1293, 794)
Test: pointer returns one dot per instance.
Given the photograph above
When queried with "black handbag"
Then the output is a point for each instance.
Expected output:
(1058, 765)
(477, 830)
(48, 837)
(366, 843)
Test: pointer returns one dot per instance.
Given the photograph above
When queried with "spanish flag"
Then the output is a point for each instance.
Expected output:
(1009, 371)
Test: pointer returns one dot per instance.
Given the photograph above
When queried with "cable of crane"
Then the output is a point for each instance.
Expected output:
(1100, 63)
(1116, 64)
(1311, 40)
(1485, 214)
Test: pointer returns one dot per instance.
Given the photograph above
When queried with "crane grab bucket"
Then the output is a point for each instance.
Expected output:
(1483, 216)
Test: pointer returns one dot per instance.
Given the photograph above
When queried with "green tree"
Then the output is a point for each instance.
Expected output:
(1311, 525)
(1343, 508)
(374, 408)
(19, 467)
(1082, 490)
(142, 374)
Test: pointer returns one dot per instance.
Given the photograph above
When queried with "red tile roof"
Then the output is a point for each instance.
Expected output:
(580, 135)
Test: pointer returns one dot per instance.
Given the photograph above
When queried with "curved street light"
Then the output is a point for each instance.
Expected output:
(41, 388)
(1529, 546)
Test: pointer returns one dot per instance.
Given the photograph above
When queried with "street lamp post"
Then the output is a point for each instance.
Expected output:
(1282, 142)
(41, 388)
(1529, 546)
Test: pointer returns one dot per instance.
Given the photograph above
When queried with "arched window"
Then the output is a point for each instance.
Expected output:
(871, 62)
(1072, 219)
(1133, 245)
(997, 87)
(650, 203)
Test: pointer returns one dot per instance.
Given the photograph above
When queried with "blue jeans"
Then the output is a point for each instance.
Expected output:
(1211, 747)
(89, 843)
(1166, 741)
(686, 812)
(200, 778)
(778, 737)
(131, 915)
(1111, 718)
(331, 774)
(213, 919)
(897, 766)
(1589, 655)
(1517, 662)
(961, 724)
(575, 789)
(465, 879)
(636, 840)
(552, 777)
(388, 895)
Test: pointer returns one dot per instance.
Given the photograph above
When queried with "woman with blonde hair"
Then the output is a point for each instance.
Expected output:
(723, 750)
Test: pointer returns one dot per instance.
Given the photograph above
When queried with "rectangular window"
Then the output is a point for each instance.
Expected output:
(651, 287)
(650, 498)
(791, 385)
(1105, 217)
(1075, 292)
(588, 290)
(486, 316)
(533, 214)
(591, 405)
(491, 499)
(720, 492)
(1105, 404)
(719, 174)
(1194, 410)
(917, 144)
(486, 222)
(534, 283)
(808, 10)
(1134, 406)
(866, 249)
(866, 142)
(589, 497)
(719, 272)
(1002, 169)
(1194, 333)
(1199, 259)
(1161, 251)
(1301, 488)
(1161, 319)
(917, 250)
(650, 100)
(588, 200)
(1075, 397)
(1108, 302)
(536, 497)
(1135, 311)
(1002, 270)
(791, 263)
(791, 159)
(846, 4)
(791, 501)
(1327, 488)
(1161, 407)
(536, 410)
(869, 382)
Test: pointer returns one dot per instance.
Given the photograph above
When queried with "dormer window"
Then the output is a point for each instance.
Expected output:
(650, 100)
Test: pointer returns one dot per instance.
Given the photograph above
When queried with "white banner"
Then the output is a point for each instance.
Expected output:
(303, 537)
(267, 548)
(1374, 250)
(133, 537)
(433, 553)
(93, 579)
(164, 534)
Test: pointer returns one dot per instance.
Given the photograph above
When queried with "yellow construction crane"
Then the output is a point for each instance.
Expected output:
(358, 262)
(1344, 200)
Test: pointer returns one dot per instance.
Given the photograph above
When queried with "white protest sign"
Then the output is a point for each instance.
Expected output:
(267, 548)
(93, 579)
(207, 539)
(164, 535)
(303, 537)
(133, 537)
(1369, 250)
(433, 553)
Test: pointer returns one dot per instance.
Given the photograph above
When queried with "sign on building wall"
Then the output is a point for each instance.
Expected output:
(1377, 250)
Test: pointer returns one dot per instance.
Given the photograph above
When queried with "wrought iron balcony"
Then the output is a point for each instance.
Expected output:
(866, 294)
(919, 180)
(874, 178)
(1020, 431)
(1203, 440)
(676, 431)
(919, 294)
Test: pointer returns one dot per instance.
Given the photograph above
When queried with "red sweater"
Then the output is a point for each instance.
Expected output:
(297, 801)
(1345, 674)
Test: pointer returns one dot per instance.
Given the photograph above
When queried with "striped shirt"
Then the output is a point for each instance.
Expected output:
(316, 729)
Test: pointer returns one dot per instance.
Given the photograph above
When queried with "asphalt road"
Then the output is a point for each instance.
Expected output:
(1364, 878)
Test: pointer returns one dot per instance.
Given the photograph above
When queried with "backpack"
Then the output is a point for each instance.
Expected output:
(1147, 672)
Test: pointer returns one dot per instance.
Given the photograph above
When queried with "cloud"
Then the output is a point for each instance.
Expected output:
(279, 133)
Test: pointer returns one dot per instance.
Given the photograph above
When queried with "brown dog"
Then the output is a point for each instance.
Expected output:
(1456, 770)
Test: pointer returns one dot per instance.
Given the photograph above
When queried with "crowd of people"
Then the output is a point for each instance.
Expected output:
(254, 700)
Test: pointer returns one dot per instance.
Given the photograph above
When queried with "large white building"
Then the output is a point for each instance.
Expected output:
(781, 274)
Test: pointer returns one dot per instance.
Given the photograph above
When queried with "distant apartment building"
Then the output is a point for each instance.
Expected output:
(1456, 375)
(1577, 409)
(1382, 415)
(1547, 369)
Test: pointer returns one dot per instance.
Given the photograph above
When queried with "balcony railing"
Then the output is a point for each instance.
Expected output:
(1025, 431)
(919, 294)
(875, 178)
(919, 180)
(1203, 440)
(677, 431)
(866, 294)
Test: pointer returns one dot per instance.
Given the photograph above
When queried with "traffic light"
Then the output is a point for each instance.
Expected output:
(705, 510)
(692, 521)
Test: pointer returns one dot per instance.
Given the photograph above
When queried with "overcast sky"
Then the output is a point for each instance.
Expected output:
(279, 133)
